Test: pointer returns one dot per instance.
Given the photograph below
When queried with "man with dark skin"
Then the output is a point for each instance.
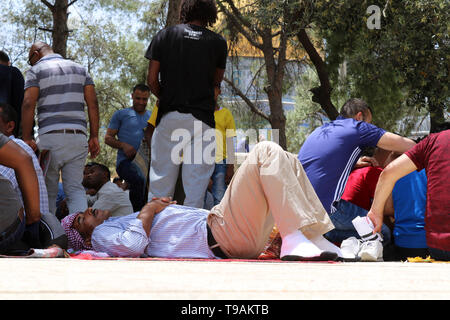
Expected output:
(186, 66)
(103, 193)
(236, 228)
(11, 86)
(12, 156)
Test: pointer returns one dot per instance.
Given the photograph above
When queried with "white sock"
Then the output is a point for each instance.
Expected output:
(296, 244)
(326, 245)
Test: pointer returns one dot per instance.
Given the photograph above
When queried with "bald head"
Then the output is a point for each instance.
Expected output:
(39, 45)
(38, 50)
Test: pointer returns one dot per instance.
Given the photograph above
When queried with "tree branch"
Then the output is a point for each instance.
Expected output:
(45, 29)
(48, 4)
(250, 104)
(236, 13)
(239, 23)
(71, 3)
(323, 92)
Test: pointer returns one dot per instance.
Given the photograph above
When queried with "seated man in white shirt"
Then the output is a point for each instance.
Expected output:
(269, 188)
(103, 194)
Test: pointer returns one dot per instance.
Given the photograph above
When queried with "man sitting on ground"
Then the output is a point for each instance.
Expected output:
(13, 221)
(358, 196)
(331, 151)
(269, 187)
(406, 204)
(430, 154)
(48, 230)
(105, 194)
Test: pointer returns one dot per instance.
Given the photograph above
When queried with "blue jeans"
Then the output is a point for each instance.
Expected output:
(218, 181)
(128, 171)
(342, 220)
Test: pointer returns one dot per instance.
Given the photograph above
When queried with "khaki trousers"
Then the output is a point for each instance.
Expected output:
(270, 187)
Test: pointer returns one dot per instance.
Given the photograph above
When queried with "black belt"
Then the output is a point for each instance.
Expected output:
(214, 246)
(10, 230)
(71, 131)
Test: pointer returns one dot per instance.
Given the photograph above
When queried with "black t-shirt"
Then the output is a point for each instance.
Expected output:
(12, 89)
(189, 56)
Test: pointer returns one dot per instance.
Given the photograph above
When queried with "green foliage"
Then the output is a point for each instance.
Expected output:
(306, 115)
(401, 70)
(103, 38)
(402, 66)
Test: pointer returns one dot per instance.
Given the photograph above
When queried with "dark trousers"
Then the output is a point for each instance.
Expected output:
(11, 235)
(128, 171)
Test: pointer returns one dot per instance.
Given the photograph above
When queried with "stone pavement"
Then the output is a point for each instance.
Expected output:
(70, 279)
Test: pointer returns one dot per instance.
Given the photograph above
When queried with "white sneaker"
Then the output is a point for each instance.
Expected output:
(350, 248)
(371, 251)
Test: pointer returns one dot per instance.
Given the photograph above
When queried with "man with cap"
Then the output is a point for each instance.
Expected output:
(269, 188)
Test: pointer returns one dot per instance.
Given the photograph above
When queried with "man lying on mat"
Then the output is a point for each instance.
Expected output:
(269, 187)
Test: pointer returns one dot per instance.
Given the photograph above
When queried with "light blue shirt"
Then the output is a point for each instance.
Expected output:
(177, 232)
(130, 126)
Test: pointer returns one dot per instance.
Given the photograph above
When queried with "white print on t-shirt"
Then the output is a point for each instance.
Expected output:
(194, 35)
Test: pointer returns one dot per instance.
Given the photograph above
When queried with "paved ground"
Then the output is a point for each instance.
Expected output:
(198, 280)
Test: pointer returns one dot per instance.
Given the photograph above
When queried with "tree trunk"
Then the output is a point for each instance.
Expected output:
(277, 118)
(173, 13)
(321, 94)
(60, 31)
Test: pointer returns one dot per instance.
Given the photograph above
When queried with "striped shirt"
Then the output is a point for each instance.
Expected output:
(10, 174)
(61, 85)
(177, 232)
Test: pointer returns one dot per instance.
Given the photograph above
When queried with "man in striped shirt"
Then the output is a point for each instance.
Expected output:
(269, 188)
(60, 88)
(331, 152)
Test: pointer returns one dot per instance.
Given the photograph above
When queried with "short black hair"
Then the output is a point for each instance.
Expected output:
(8, 113)
(368, 152)
(4, 57)
(202, 10)
(353, 106)
(441, 127)
(102, 167)
(141, 87)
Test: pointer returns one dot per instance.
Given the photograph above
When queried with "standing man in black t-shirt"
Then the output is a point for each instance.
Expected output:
(187, 64)
(11, 87)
